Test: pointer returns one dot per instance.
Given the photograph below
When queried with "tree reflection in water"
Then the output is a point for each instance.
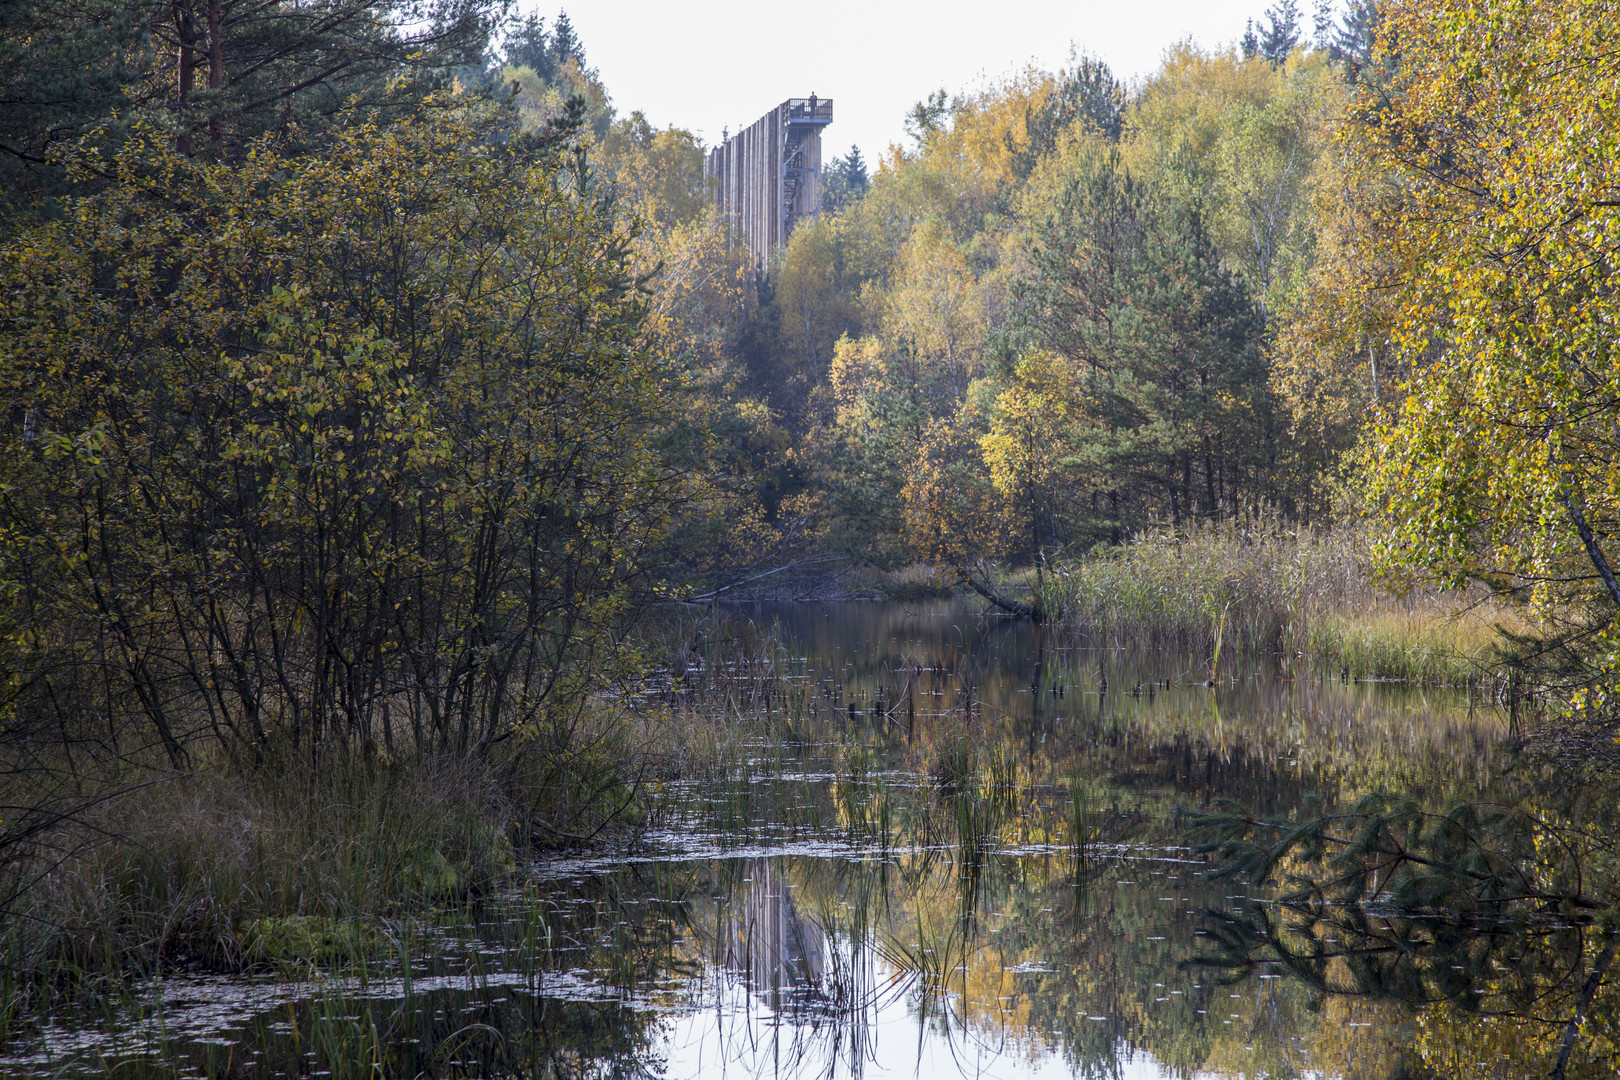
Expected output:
(899, 888)
(1494, 925)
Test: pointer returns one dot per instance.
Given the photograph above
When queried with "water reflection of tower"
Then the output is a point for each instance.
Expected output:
(778, 952)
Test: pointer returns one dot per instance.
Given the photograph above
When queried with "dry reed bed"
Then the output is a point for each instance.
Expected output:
(1261, 585)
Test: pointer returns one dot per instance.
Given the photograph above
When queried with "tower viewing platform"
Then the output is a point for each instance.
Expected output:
(767, 177)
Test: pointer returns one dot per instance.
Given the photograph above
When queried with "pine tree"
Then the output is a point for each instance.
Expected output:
(216, 73)
(1087, 92)
(65, 66)
(1162, 344)
(529, 45)
(843, 180)
(565, 44)
(1281, 34)
(1354, 40)
(1325, 25)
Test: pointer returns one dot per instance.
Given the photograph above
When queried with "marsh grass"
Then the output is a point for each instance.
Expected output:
(1083, 833)
(909, 584)
(186, 873)
(1260, 584)
(285, 868)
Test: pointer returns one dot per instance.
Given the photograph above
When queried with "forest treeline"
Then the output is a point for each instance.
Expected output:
(1062, 312)
(1358, 271)
(365, 372)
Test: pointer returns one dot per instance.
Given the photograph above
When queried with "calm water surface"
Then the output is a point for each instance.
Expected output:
(891, 890)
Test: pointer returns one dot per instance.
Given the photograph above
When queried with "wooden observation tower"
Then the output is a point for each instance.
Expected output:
(767, 177)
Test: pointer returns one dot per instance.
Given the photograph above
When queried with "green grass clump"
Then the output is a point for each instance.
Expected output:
(913, 584)
(1418, 646)
(310, 939)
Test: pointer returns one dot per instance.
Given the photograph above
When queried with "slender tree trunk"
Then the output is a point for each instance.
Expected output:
(1594, 553)
(185, 26)
(1209, 477)
(216, 65)
(1187, 483)
(1573, 1029)
(1572, 506)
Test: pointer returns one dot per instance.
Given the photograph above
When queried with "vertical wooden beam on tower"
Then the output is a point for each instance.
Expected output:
(767, 177)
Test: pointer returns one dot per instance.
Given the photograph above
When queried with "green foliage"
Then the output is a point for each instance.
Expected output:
(347, 448)
(1295, 592)
(64, 65)
(1487, 177)
(308, 939)
(1167, 391)
(658, 174)
(1280, 34)
(1070, 292)
(545, 52)
(213, 74)
(843, 179)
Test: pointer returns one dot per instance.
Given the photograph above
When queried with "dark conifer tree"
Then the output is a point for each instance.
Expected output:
(1325, 25)
(529, 45)
(1354, 39)
(65, 66)
(1087, 91)
(1128, 289)
(565, 44)
(843, 180)
(216, 73)
(1281, 34)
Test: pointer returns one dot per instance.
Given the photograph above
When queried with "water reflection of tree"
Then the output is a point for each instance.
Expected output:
(927, 927)
(1149, 743)
(809, 985)
(1493, 924)
(777, 952)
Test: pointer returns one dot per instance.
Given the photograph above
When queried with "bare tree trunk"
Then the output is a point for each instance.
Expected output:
(1572, 506)
(1573, 1029)
(185, 27)
(980, 584)
(1593, 552)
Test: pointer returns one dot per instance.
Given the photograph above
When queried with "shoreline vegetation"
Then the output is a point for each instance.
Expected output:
(1297, 593)
(1257, 584)
(126, 873)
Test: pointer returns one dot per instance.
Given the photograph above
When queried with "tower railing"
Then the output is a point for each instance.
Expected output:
(809, 110)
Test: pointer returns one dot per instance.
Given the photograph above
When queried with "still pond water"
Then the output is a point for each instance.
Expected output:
(890, 886)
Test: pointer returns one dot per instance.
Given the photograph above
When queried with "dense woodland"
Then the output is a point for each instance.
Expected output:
(365, 373)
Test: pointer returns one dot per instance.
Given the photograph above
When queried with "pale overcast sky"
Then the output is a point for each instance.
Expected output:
(724, 63)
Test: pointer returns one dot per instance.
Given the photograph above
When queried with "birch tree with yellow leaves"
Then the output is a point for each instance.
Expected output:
(1493, 153)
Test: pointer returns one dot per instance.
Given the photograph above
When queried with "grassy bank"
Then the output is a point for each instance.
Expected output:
(285, 866)
(1260, 584)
